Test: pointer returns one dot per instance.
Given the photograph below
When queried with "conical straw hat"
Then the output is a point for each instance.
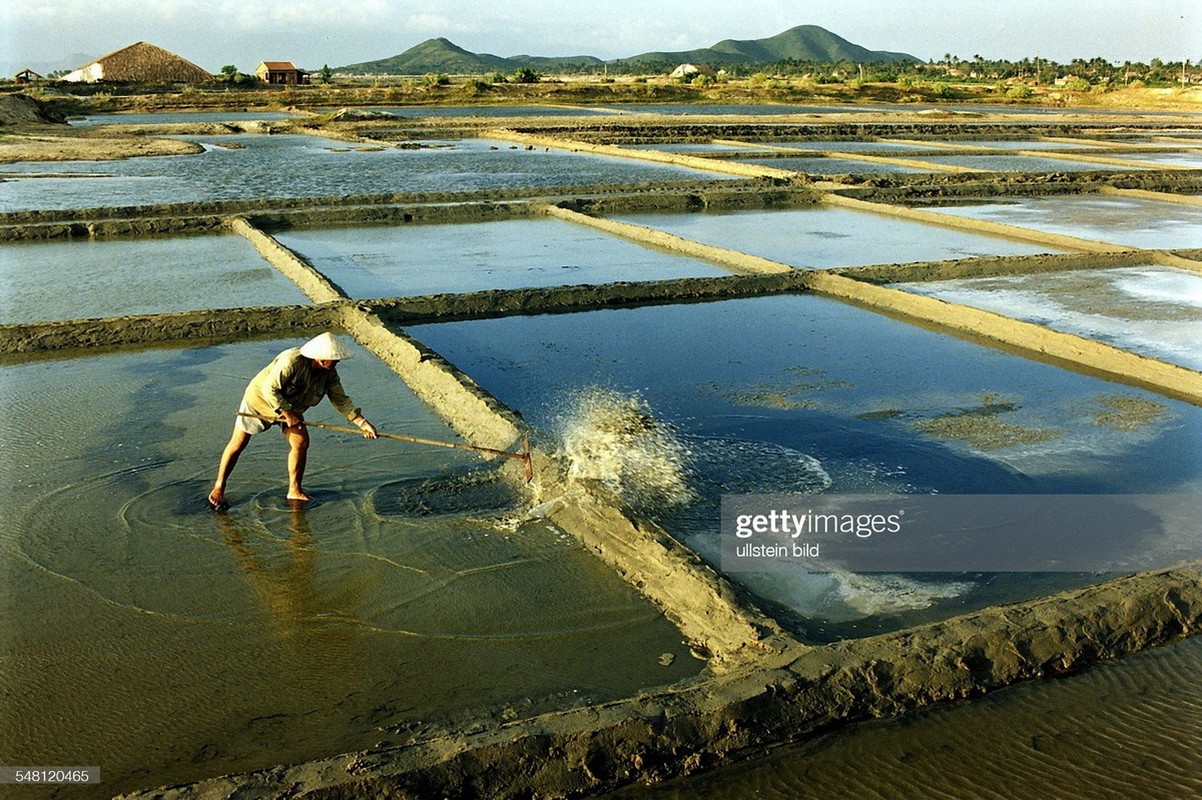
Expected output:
(325, 347)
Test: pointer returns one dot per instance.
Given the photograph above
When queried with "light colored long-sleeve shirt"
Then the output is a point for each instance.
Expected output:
(291, 383)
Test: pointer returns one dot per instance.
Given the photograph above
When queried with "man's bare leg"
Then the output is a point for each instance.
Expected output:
(229, 459)
(298, 450)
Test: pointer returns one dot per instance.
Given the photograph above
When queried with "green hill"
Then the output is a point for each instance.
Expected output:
(432, 55)
(557, 63)
(803, 43)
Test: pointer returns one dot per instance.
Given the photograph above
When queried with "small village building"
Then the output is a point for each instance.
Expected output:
(281, 72)
(27, 76)
(140, 62)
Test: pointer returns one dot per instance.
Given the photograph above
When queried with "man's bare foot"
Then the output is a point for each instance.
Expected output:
(299, 495)
(217, 500)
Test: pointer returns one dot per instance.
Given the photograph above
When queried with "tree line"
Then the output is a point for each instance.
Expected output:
(1095, 71)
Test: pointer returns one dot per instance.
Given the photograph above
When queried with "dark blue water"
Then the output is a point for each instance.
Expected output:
(801, 394)
(853, 389)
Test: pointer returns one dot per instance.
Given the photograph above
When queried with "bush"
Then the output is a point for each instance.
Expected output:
(526, 75)
(1020, 91)
(437, 80)
(498, 77)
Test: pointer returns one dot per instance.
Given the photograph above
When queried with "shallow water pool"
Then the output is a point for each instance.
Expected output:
(83, 278)
(1131, 728)
(1024, 163)
(164, 643)
(831, 166)
(800, 394)
(248, 166)
(1133, 223)
(1153, 310)
(823, 237)
(422, 259)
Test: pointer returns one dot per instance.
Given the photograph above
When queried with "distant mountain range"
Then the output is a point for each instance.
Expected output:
(803, 43)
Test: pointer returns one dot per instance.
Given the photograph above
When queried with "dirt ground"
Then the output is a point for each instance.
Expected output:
(42, 147)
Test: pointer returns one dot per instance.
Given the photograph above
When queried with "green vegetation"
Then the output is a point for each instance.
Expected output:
(526, 75)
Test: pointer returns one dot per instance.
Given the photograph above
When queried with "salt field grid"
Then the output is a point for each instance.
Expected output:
(800, 394)
(433, 561)
(1147, 309)
(833, 166)
(1008, 163)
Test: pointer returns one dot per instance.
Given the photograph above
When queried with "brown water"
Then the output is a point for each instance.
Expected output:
(163, 643)
(1127, 729)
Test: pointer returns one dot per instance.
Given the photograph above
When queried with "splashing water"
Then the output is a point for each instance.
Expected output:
(614, 438)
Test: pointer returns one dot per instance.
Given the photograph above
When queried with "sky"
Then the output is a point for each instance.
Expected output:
(213, 33)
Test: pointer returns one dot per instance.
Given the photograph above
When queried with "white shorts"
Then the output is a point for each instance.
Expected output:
(251, 425)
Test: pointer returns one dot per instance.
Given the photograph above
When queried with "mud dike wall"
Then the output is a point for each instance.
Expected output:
(785, 696)
(761, 686)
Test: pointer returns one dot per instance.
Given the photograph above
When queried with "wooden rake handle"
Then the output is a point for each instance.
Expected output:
(523, 456)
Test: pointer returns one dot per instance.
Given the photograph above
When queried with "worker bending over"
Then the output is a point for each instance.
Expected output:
(295, 381)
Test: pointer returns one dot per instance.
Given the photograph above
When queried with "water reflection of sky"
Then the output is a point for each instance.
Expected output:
(324, 626)
(422, 259)
(1156, 311)
(1134, 223)
(84, 278)
(803, 394)
(851, 388)
(1025, 163)
(239, 167)
(831, 166)
(822, 237)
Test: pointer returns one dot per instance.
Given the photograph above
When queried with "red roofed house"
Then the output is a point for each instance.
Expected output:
(283, 72)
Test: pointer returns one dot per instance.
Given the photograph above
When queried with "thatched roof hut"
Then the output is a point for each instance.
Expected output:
(140, 62)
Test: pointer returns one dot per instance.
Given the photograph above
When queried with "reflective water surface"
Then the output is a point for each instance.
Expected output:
(1133, 223)
(84, 278)
(829, 237)
(1131, 728)
(1156, 311)
(423, 259)
(804, 394)
(165, 643)
(243, 166)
